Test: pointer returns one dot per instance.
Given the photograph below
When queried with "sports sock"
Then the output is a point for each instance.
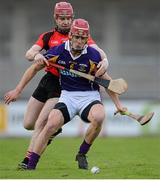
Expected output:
(33, 160)
(26, 159)
(84, 148)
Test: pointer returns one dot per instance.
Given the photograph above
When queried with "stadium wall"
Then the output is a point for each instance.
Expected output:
(11, 121)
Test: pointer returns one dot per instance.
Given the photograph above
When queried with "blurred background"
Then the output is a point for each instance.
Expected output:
(127, 30)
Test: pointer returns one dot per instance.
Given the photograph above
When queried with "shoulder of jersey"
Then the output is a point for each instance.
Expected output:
(58, 49)
(93, 53)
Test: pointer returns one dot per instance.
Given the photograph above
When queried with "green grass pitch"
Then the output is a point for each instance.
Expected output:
(136, 158)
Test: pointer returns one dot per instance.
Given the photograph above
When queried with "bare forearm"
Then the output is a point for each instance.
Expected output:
(114, 98)
(32, 52)
(13, 94)
(112, 95)
(27, 76)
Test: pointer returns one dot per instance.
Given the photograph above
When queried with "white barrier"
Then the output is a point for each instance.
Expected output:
(11, 124)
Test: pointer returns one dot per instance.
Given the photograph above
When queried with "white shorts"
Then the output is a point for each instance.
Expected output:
(77, 101)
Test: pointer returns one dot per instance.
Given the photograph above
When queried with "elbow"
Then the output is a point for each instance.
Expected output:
(29, 56)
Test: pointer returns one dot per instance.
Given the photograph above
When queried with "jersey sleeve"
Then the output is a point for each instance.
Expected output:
(90, 41)
(55, 51)
(40, 41)
(50, 53)
(94, 55)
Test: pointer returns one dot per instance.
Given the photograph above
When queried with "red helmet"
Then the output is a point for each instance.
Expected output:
(63, 9)
(80, 27)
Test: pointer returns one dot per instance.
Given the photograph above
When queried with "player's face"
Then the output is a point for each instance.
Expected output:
(78, 42)
(64, 22)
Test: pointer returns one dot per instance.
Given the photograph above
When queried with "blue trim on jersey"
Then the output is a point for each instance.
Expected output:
(85, 63)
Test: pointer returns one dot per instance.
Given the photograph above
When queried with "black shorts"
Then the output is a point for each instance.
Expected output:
(48, 87)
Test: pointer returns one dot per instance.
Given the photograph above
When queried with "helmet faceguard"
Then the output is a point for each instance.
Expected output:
(64, 10)
(80, 28)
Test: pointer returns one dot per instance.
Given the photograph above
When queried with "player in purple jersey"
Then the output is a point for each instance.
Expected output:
(87, 63)
(79, 96)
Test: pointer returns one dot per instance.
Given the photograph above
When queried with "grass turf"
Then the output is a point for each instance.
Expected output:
(136, 158)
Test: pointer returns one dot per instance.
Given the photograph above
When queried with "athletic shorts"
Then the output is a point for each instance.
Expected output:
(77, 101)
(48, 87)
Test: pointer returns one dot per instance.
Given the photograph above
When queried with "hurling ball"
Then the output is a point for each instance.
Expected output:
(95, 170)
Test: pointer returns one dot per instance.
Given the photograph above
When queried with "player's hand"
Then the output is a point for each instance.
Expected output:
(102, 67)
(11, 96)
(41, 60)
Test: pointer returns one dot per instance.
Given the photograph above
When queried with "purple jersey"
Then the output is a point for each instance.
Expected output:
(86, 62)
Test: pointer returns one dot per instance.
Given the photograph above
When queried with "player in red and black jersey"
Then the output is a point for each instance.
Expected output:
(48, 90)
